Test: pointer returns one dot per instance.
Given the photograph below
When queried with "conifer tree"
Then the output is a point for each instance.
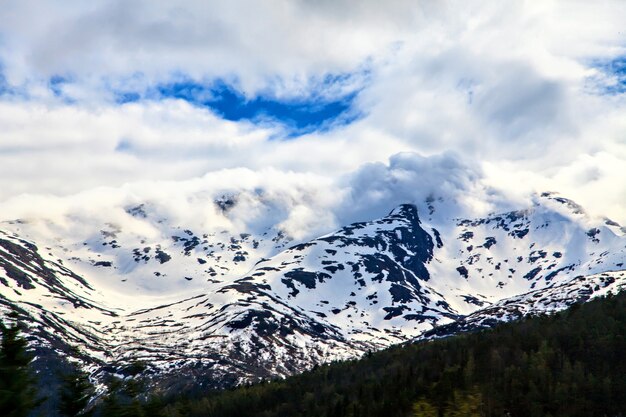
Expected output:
(465, 404)
(18, 395)
(423, 408)
(76, 391)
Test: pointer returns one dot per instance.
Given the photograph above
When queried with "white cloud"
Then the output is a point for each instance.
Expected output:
(304, 205)
(505, 87)
(251, 41)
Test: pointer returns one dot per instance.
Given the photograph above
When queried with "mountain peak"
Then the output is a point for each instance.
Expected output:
(407, 210)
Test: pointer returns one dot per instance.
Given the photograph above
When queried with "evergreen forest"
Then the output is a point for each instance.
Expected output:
(569, 364)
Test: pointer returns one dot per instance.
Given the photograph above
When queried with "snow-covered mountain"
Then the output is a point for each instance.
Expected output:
(227, 307)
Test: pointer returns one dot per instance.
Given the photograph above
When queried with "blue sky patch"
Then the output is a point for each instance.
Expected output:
(6, 89)
(56, 84)
(317, 111)
(124, 145)
(126, 97)
(300, 115)
(9, 90)
(616, 70)
(4, 86)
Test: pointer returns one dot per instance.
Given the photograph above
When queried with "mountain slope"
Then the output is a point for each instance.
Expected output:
(569, 364)
(226, 306)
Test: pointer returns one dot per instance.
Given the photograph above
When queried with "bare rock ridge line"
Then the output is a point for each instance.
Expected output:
(225, 307)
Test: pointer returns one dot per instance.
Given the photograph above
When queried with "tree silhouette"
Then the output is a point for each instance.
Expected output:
(76, 391)
(18, 395)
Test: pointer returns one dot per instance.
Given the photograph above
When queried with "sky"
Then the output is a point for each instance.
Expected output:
(367, 100)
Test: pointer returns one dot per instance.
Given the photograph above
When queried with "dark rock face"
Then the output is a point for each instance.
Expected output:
(225, 203)
(162, 256)
(387, 255)
(463, 271)
(308, 279)
(23, 264)
(533, 273)
(137, 211)
(489, 242)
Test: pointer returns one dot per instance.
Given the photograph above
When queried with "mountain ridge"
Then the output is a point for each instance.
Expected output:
(366, 286)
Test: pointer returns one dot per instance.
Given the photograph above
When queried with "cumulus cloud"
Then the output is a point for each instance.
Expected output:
(254, 42)
(410, 178)
(508, 96)
(302, 205)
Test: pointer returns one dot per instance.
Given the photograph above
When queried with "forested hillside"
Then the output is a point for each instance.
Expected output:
(569, 364)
